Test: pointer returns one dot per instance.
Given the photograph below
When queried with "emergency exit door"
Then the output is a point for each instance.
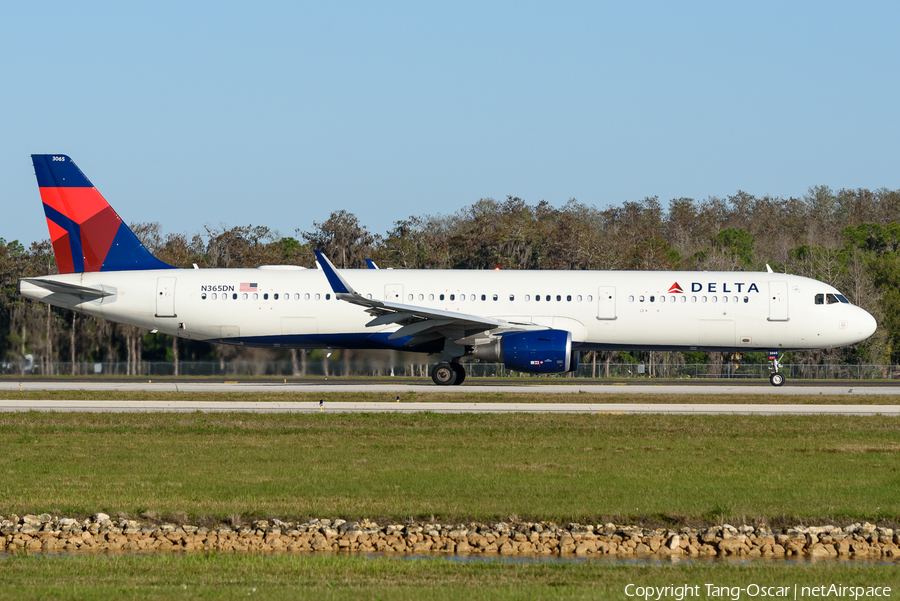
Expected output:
(393, 293)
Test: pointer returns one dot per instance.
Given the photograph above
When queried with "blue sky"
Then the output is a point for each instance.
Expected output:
(277, 113)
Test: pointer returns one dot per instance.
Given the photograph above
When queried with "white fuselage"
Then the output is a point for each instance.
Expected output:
(285, 307)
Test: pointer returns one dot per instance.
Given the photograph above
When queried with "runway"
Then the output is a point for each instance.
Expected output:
(412, 407)
(331, 395)
(390, 390)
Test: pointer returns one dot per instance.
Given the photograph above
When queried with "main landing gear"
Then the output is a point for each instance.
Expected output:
(775, 378)
(448, 374)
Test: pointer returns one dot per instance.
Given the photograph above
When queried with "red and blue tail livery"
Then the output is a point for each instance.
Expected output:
(86, 232)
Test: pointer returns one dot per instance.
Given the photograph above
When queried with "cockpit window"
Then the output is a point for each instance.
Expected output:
(831, 299)
(820, 299)
(842, 298)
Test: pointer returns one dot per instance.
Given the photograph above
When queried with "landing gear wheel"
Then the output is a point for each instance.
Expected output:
(776, 379)
(444, 374)
(460, 373)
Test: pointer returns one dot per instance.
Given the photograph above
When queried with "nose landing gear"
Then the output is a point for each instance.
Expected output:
(775, 378)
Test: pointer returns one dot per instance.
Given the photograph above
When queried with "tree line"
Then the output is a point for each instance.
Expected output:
(849, 239)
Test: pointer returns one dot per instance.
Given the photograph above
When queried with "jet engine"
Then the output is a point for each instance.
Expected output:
(542, 352)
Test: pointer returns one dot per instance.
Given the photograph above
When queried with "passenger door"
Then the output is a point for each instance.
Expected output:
(165, 297)
(606, 302)
(778, 301)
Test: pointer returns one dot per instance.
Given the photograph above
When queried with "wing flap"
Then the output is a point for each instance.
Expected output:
(421, 327)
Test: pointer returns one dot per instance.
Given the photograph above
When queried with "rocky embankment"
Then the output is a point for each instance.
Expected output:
(50, 534)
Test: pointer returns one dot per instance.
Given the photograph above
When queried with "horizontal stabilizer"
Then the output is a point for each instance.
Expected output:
(65, 288)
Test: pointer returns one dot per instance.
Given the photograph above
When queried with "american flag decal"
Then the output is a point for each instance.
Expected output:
(245, 287)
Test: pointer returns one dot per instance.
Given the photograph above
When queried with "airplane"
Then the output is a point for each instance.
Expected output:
(531, 321)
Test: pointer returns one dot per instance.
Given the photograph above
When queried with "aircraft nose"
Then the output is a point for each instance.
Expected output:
(867, 325)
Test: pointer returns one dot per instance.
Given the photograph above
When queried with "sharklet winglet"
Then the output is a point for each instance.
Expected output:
(338, 284)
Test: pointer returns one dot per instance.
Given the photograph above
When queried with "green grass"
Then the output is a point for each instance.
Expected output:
(449, 396)
(650, 468)
(330, 577)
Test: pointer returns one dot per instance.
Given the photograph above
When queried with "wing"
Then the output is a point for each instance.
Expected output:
(422, 324)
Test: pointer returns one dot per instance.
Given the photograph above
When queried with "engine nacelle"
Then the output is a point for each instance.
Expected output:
(542, 352)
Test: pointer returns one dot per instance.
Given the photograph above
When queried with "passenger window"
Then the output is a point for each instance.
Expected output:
(672, 299)
(484, 297)
(662, 299)
(569, 298)
(641, 298)
(452, 297)
(318, 296)
(306, 296)
(715, 299)
(548, 298)
(512, 297)
(369, 296)
(558, 298)
(409, 297)
(590, 298)
(579, 298)
(702, 299)
(203, 296)
(693, 299)
(630, 299)
(430, 297)
(820, 299)
(234, 296)
(537, 297)
(276, 296)
(527, 297)
(735, 299)
(472, 297)
(652, 299)
(297, 296)
(746, 299)
(442, 297)
(684, 299)
(266, 296)
(327, 297)
(495, 297)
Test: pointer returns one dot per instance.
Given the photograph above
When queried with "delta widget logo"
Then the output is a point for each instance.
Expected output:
(715, 287)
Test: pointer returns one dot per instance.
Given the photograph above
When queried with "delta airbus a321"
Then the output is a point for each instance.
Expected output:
(531, 321)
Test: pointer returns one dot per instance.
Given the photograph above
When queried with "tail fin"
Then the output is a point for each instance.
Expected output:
(86, 232)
